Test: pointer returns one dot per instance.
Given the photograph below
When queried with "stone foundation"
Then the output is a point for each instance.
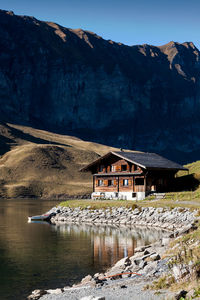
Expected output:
(118, 196)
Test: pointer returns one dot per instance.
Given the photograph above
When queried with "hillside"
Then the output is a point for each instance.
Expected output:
(38, 163)
(74, 82)
(194, 168)
(43, 164)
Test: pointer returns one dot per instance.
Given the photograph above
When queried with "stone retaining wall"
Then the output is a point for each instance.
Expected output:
(174, 219)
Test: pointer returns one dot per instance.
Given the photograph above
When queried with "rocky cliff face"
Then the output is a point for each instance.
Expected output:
(72, 81)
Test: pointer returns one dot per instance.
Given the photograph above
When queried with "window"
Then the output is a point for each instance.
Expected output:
(112, 168)
(101, 168)
(100, 182)
(110, 182)
(139, 181)
(123, 167)
(125, 182)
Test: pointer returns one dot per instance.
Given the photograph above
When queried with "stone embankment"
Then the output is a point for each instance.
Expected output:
(177, 219)
(127, 278)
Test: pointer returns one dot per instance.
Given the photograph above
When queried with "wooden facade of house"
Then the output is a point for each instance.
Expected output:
(131, 175)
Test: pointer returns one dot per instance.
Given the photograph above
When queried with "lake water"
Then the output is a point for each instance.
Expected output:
(34, 255)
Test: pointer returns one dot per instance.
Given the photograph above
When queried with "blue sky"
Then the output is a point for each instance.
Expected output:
(131, 22)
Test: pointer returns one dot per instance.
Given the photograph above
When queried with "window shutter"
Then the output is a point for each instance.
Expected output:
(129, 182)
(115, 182)
(118, 168)
(105, 182)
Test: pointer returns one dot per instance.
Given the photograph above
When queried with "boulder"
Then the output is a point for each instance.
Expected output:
(179, 271)
(149, 269)
(142, 264)
(36, 294)
(155, 257)
(86, 279)
(56, 291)
(136, 211)
(124, 262)
(165, 241)
(139, 259)
(185, 229)
(93, 298)
(141, 249)
(99, 278)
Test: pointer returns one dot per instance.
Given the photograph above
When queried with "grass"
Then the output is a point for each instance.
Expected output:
(183, 196)
(43, 164)
(184, 250)
(165, 203)
(194, 168)
(163, 282)
(98, 204)
(197, 292)
(189, 199)
(168, 204)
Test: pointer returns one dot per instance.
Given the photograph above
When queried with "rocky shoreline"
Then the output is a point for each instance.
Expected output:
(129, 275)
(177, 219)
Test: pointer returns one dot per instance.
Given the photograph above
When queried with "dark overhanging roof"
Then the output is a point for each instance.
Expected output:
(145, 160)
(149, 160)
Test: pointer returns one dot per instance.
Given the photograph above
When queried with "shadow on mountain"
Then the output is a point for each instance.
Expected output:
(186, 183)
(29, 138)
(5, 144)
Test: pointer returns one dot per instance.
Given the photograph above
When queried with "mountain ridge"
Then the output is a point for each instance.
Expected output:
(73, 81)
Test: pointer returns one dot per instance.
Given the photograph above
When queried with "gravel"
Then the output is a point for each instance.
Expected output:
(123, 289)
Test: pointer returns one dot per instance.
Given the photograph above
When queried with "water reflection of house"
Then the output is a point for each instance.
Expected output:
(110, 243)
(109, 249)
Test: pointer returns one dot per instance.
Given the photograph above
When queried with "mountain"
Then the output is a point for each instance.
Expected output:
(37, 163)
(74, 82)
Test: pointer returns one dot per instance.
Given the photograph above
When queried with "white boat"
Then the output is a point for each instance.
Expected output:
(44, 217)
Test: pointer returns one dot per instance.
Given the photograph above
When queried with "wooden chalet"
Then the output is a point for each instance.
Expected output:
(131, 175)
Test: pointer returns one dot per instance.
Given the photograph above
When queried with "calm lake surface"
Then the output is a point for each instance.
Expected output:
(34, 255)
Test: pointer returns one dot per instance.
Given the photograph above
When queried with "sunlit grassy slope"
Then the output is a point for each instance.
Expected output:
(44, 164)
(194, 168)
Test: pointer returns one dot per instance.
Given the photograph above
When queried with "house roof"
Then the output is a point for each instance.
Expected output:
(149, 160)
(143, 159)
